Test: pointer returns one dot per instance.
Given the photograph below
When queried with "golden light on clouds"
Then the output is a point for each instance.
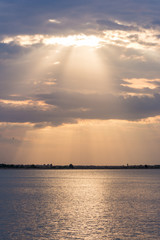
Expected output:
(140, 83)
(138, 38)
(29, 103)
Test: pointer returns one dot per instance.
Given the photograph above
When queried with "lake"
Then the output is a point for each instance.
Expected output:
(80, 204)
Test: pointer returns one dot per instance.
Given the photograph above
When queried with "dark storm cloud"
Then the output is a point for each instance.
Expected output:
(104, 106)
(12, 51)
(106, 24)
(71, 106)
(30, 17)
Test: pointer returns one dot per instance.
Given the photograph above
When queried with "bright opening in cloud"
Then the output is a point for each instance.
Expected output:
(137, 39)
(75, 40)
(70, 40)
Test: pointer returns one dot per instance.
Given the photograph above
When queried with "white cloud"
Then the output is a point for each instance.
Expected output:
(54, 21)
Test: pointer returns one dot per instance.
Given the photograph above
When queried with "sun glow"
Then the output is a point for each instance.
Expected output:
(92, 142)
(70, 40)
(84, 71)
(74, 40)
(139, 38)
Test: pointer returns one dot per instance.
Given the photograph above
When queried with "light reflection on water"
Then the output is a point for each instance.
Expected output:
(79, 204)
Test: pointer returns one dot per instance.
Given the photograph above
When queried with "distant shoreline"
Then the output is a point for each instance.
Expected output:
(70, 166)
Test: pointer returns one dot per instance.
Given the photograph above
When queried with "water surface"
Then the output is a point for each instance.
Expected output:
(80, 204)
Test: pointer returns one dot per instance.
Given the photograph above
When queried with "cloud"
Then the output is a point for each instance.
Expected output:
(35, 52)
(67, 107)
(142, 84)
(127, 36)
(62, 62)
(106, 24)
(98, 106)
(73, 15)
(54, 21)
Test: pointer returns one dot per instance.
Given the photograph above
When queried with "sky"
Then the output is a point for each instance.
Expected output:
(80, 82)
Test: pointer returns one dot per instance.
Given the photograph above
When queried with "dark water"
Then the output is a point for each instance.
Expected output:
(79, 204)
